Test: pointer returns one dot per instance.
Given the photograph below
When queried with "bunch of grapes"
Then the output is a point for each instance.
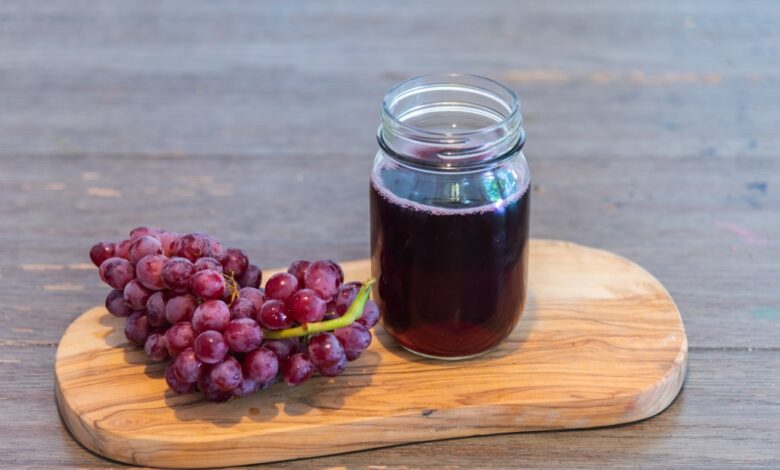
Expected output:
(188, 299)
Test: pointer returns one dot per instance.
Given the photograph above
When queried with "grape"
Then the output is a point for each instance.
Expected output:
(261, 365)
(281, 286)
(297, 369)
(257, 296)
(176, 273)
(180, 308)
(155, 309)
(370, 316)
(306, 306)
(207, 262)
(243, 335)
(115, 304)
(338, 268)
(215, 246)
(175, 384)
(246, 387)
(323, 278)
(227, 374)
(179, 337)
(273, 315)
(354, 338)
(211, 315)
(193, 246)
(137, 328)
(187, 367)
(283, 348)
(207, 285)
(298, 269)
(136, 295)
(251, 277)
(332, 370)
(345, 296)
(324, 349)
(156, 347)
(210, 347)
(210, 390)
(117, 272)
(218, 396)
(139, 232)
(122, 249)
(148, 270)
(234, 261)
(243, 308)
(101, 252)
(168, 241)
(143, 246)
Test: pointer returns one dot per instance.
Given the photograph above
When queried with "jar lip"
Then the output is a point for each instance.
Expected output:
(443, 80)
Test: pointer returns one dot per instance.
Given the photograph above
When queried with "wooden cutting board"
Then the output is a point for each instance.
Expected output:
(601, 342)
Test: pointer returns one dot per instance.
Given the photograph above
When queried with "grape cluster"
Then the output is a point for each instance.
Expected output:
(188, 299)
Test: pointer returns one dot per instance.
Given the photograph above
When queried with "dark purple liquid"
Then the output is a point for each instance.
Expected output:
(451, 283)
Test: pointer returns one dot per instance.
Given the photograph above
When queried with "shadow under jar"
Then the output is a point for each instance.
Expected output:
(449, 215)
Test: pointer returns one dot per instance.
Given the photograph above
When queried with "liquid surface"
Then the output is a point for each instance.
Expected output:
(452, 278)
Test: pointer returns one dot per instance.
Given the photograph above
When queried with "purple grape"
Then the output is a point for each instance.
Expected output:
(137, 328)
(155, 309)
(306, 306)
(208, 284)
(252, 277)
(234, 261)
(324, 349)
(179, 337)
(210, 347)
(283, 348)
(273, 315)
(100, 252)
(168, 241)
(246, 387)
(298, 269)
(115, 304)
(345, 296)
(354, 338)
(187, 367)
(193, 246)
(211, 315)
(281, 286)
(215, 246)
(139, 232)
(243, 308)
(122, 249)
(338, 268)
(323, 277)
(156, 347)
(136, 295)
(176, 274)
(210, 390)
(117, 272)
(297, 369)
(175, 384)
(207, 262)
(144, 246)
(332, 370)
(257, 296)
(261, 365)
(370, 316)
(218, 396)
(148, 270)
(180, 308)
(227, 374)
(243, 335)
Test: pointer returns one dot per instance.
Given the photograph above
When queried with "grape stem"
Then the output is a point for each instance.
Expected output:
(353, 313)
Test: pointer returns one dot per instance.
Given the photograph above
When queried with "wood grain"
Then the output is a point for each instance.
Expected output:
(608, 348)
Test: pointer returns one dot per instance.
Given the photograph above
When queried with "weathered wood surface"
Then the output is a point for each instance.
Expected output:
(609, 349)
(652, 133)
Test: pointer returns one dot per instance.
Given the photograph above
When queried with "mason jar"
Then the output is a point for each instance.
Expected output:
(449, 198)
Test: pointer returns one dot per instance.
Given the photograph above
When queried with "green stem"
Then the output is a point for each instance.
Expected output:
(353, 313)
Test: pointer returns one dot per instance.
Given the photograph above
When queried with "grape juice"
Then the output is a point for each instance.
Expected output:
(451, 278)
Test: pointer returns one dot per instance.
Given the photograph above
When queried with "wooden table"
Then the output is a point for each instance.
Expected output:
(652, 132)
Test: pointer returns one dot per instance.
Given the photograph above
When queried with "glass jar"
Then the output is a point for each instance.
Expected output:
(449, 215)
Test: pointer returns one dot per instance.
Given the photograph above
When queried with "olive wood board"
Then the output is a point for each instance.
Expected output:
(601, 342)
